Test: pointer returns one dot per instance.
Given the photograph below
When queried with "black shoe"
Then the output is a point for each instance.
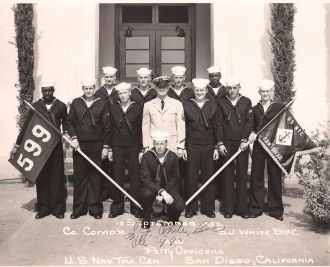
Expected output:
(40, 215)
(255, 215)
(209, 214)
(157, 215)
(228, 215)
(277, 217)
(190, 214)
(97, 216)
(114, 215)
(145, 224)
(243, 215)
(137, 214)
(60, 216)
(73, 216)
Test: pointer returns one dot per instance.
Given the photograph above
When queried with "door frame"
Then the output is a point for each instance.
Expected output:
(121, 27)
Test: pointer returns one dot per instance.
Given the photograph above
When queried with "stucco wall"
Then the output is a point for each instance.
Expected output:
(67, 49)
(241, 46)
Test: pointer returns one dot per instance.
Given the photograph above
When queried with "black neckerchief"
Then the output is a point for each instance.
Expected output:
(234, 108)
(212, 91)
(160, 168)
(88, 109)
(201, 113)
(174, 90)
(49, 112)
(149, 88)
(264, 114)
(124, 118)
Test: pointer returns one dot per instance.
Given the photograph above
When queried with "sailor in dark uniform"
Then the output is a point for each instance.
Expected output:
(125, 146)
(160, 177)
(215, 90)
(236, 121)
(89, 128)
(202, 135)
(50, 182)
(143, 92)
(107, 91)
(264, 112)
(179, 90)
(109, 94)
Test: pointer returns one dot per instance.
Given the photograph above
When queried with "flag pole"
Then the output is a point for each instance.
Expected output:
(278, 114)
(235, 155)
(213, 176)
(85, 156)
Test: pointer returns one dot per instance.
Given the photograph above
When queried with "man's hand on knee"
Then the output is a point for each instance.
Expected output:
(167, 197)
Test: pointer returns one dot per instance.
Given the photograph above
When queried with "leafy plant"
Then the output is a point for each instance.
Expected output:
(314, 175)
(24, 40)
(282, 42)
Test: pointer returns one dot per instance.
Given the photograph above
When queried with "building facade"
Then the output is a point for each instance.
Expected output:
(75, 39)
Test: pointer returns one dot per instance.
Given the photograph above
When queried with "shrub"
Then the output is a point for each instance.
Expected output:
(313, 173)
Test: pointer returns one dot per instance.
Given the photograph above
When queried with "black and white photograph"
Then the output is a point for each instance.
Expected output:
(164, 133)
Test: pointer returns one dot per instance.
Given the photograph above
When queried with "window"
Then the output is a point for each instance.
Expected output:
(137, 14)
(173, 14)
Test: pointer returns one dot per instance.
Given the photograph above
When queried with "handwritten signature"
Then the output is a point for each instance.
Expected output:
(168, 234)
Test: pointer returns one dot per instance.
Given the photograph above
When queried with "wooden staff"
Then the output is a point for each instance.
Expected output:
(85, 156)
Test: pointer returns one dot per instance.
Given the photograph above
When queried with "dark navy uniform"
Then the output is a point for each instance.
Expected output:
(91, 126)
(186, 94)
(202, 134)
(156, 176)
(107, 167)
(236, 124)
(50, 182)
(259, 158)
(215, 97)
(103, 94)
(217, 164)
(126, 144)
(138, 97)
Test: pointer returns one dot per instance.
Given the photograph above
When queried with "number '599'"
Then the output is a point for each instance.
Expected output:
(31, 146)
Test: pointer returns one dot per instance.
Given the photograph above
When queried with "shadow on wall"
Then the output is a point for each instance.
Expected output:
(266, 46)
(327, 40)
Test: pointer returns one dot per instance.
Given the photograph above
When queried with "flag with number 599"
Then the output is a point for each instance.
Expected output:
(39, 141)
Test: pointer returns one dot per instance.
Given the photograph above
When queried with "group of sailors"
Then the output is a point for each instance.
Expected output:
(170, 137)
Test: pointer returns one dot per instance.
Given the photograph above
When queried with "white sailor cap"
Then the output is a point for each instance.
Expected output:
(178, 70)
(266, 84)
(123, 86)
(200, 83)
(88, 82)
(109, 70)
(214, 69)
(143, 71)
(232, 81)
(46, 83)
(159, 136)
